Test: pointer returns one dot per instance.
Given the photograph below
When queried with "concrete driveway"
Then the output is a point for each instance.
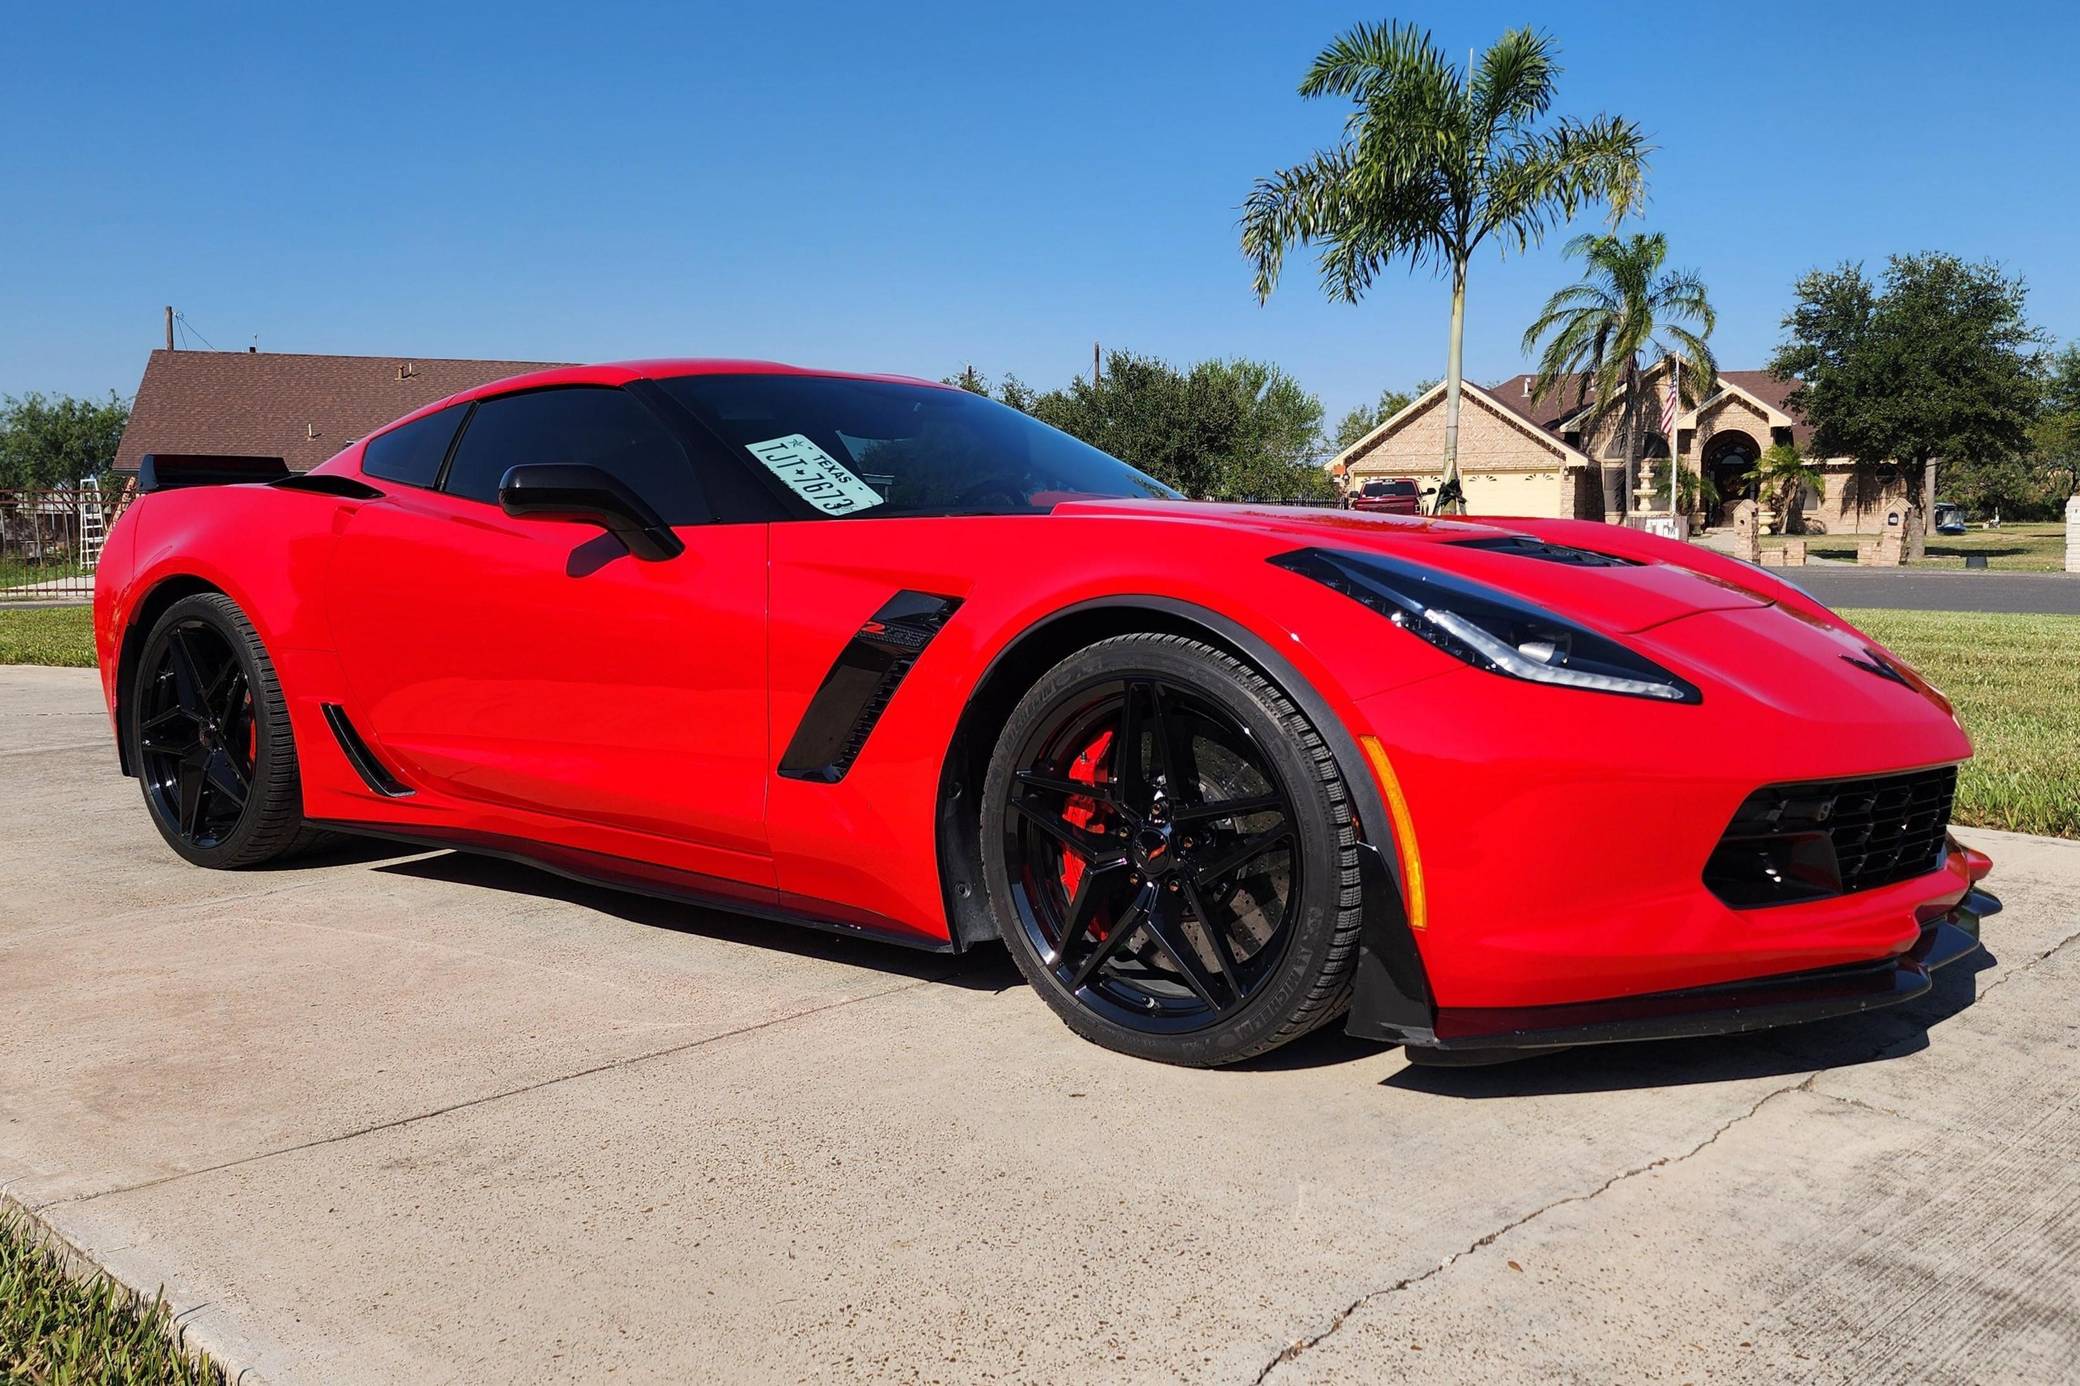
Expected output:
(416, 1117)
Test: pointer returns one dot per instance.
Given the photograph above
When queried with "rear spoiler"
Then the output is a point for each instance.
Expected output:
(167, 471)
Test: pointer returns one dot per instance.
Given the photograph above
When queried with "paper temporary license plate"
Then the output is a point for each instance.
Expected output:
(815, 475)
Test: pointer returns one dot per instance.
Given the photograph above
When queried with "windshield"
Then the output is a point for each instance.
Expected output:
(845, 448)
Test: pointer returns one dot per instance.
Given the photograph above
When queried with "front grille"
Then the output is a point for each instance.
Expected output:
(1792, 842)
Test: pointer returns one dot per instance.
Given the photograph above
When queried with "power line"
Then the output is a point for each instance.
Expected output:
(181, 321)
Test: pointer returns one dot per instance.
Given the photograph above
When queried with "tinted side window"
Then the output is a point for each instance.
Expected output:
(583, 424)
(412, 454)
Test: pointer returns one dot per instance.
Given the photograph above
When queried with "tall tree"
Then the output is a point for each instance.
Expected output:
(1936, 361)
(2055, 437)
(1602, 334)
(1220, 430)
(1434, 161)
(59, 440)
(1010, 390)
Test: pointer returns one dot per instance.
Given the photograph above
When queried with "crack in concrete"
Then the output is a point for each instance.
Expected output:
(1807, 1085)
(2016, 971)
(1858, 1102)
(396, 1122)
(1296, 1348)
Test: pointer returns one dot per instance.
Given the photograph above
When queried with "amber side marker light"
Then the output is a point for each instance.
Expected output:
(1404, 832)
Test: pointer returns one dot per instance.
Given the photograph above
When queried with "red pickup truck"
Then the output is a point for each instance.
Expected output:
(1396, 497)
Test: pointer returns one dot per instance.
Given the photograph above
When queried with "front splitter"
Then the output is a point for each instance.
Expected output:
(1492, 1034)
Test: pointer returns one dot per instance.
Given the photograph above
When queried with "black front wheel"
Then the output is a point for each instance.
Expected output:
(1169, 850)
(211, 733)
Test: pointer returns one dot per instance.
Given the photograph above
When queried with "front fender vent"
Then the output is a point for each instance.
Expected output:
(861, 684)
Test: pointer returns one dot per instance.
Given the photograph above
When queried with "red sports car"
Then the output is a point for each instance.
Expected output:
(885, 657)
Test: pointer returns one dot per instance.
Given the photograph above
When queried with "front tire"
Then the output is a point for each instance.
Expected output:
(215, 754)
(1169, 850)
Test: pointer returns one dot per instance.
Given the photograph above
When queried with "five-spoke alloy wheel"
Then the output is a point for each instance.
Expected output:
(1168, 848)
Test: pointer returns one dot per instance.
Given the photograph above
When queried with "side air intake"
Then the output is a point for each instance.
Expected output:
(372, 771)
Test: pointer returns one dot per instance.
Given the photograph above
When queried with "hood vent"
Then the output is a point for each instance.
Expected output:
(1525, 546)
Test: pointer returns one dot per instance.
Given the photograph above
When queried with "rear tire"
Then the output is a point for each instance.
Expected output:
(1168, 847)
(215, 753)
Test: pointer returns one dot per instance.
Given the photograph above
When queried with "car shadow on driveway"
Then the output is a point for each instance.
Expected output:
(984, 969)
(1839, 1043)
(1844, 1042)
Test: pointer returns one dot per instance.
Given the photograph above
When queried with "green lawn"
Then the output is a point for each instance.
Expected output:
(47, 635)
(2016, 686)
(58, 1331)
(2034, 547)
(2013, 679)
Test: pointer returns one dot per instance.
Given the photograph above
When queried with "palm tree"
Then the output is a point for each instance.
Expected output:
(1776, 478)
(1435, 160)
(1600, 332)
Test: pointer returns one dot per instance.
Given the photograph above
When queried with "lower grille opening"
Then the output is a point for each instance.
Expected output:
(1793, 842)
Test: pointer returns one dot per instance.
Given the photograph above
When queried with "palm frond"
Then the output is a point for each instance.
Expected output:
(1700, 367)
(1601, 160)
(1515, 81)
(1368, 56)
(1293, 205)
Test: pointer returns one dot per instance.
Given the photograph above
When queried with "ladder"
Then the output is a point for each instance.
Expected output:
(93, 524)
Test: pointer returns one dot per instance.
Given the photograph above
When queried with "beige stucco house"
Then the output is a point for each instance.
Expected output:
(1525, 455)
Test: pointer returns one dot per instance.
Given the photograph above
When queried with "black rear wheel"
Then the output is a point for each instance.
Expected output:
(1169, 850)
(211, 731)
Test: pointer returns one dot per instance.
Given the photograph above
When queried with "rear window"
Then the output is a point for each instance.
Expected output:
(413, 453)
(1390, 488)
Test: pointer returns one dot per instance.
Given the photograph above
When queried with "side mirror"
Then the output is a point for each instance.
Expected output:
(587, 495)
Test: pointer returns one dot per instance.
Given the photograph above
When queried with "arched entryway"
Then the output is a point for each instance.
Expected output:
(1727, 458)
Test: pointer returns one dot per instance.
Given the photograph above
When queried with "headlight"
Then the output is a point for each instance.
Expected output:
(1489, 629)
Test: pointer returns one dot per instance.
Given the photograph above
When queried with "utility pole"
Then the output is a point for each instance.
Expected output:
(169, 327)
(1094, 365)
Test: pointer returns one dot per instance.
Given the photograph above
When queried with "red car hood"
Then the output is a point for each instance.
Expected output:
(1622, 598)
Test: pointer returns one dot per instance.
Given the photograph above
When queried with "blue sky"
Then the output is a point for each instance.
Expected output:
(912, 187)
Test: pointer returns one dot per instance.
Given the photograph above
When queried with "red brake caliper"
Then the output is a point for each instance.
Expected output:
(1086, 813)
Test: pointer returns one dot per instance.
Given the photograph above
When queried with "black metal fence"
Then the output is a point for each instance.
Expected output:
(50, 541)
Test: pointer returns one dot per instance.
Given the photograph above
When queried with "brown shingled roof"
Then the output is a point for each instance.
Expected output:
(270, 403)
(1549, 410)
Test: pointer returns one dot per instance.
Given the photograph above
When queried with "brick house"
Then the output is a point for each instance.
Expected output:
(1525, 455)
(299, 408)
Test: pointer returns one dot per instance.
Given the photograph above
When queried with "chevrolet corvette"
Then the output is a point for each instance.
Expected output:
(887, 658)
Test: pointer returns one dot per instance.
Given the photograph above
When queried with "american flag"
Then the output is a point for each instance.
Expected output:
(1668, 411)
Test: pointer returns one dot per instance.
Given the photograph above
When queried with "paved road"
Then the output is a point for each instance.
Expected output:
(422, 1118)
(1908, 590)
